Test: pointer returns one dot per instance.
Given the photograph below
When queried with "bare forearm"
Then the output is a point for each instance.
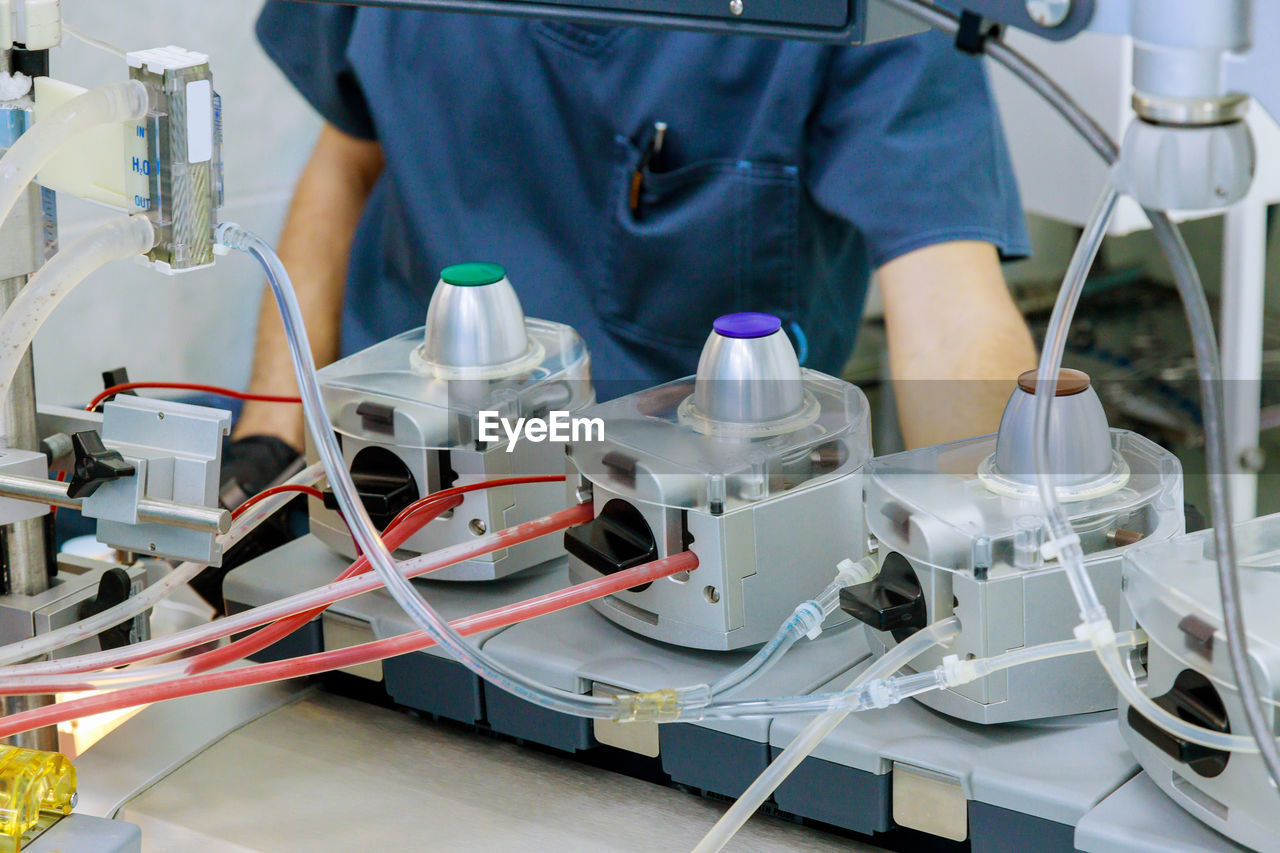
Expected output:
(314, 245)
(956, 341)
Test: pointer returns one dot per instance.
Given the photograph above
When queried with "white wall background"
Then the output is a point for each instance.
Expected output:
(197, 327)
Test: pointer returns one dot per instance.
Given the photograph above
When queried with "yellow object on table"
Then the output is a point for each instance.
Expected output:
(31, 783)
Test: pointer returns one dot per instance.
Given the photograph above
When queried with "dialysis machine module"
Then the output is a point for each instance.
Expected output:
(745, 558)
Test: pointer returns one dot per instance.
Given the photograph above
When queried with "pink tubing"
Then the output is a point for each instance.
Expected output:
(395, 536)
(500, 617)
(10, 677)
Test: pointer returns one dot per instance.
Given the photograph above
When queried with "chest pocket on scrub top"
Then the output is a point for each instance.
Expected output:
(707, 238)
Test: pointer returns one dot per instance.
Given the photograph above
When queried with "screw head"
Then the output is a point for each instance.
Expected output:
(1253, 459)
(1049, 13)
(735, 7)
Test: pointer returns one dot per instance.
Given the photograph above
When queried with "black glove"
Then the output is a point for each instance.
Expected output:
(249, 465)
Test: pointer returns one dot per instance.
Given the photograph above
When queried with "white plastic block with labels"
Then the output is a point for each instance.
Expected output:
(95, 166)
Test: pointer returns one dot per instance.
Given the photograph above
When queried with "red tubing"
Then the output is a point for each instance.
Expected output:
(522, 532)
(310, 491)
(190, 386)
(394, 536)
(263, 673)
(410, 520)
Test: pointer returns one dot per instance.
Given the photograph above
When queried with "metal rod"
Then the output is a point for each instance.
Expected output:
(26, 548)
(26, 551)
(169, 513)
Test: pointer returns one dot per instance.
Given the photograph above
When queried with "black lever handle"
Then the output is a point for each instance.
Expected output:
(94, 465)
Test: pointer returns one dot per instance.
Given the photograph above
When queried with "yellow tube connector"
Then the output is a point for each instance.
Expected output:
(656, 706)
(662, 706)
(32, 782)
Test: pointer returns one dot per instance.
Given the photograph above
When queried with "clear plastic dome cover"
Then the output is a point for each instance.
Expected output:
(391, 386)
(656, 451)
(1172, 585)
(933, 506)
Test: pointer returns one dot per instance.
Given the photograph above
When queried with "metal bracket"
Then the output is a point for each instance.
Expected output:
(24, 616)
(177, 451)
(850, 22)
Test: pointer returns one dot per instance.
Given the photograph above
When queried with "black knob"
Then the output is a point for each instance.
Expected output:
(1196, 700)
(95, 465)
(113, 589)
(385, 484)
(893, 602)
(618, 538)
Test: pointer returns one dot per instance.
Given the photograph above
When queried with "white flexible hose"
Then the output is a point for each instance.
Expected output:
(111, 241)
(109, 104)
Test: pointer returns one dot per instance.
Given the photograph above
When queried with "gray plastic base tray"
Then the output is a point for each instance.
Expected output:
(1139, 818)
(581, 651)
(77, 833)
(1055, 786)
(428, 681)
(1005, 788)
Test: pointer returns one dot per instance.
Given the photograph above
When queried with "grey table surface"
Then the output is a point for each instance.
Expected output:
(330, 773)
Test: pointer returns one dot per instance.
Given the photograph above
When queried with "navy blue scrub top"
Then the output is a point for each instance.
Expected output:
(788, 172)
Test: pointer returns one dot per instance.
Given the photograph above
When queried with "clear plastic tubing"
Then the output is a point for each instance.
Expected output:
(319, 597)
(818, 729)
(362, 528)
(981, 668)
(883, 691)
(1209, 370)
(350, 656)
(764, 659)
(808, 615)
(269, 634)
(1070, 554)
(109, 104)
(1209, 375)
(111, 241)
(149, 597)
(405, 525)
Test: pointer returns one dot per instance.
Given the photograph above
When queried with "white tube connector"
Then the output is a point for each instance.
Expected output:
(810, 616)
(1097, 633)
(852, 573)
(848, 573)
(1054, 548)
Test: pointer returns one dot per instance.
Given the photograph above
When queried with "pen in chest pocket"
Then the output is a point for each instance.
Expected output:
(651, 150)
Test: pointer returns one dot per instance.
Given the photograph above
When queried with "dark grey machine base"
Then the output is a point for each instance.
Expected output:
(834, 794)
